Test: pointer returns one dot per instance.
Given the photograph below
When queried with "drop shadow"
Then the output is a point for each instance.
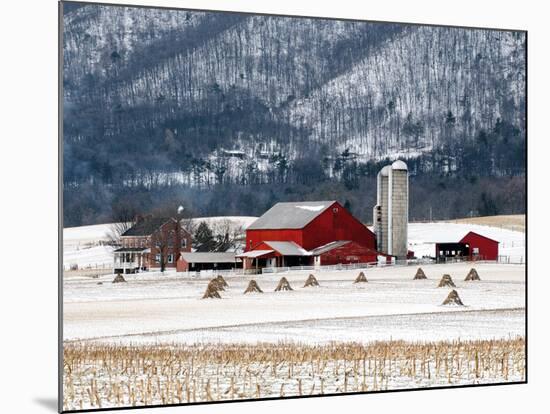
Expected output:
(49, 403)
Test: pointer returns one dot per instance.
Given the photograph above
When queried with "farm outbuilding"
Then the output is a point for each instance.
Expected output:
(345, 252)
(473, 246)
(481, 246)
(194, 261)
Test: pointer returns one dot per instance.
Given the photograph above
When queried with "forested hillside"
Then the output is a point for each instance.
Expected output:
(229, 113)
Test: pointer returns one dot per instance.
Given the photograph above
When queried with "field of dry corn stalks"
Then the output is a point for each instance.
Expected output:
(98, 375)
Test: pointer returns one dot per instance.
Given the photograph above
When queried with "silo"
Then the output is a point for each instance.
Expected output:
(398, 209)
(380, 212)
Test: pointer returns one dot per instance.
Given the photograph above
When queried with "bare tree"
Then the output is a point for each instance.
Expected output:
(124, 217)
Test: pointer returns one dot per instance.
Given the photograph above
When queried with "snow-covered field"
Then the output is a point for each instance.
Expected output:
(151, 309)
(168, 308)
(164, 313)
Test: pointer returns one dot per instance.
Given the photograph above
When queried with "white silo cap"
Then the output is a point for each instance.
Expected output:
(399, 165)
(385, 171)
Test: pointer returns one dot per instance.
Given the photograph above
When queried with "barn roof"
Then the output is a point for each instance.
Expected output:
(479, 235)
(146, 227)
(288, 248)
(255, 253)
(294, 215)
(210, 257)
(328, 247)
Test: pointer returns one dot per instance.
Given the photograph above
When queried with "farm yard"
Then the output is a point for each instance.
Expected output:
(86, 247)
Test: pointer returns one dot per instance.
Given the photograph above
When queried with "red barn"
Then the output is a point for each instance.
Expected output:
(473, 245)
(481, 247)
(288, 233)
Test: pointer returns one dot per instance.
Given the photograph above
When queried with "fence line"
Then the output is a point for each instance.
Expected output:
(511, 259)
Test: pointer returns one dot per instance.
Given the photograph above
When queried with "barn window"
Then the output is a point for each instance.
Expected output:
(335, 210)
(476, 250)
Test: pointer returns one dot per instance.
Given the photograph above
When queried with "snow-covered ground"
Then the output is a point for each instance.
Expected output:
(169, 308)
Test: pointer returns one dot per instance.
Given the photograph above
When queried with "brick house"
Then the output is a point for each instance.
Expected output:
(151, 243)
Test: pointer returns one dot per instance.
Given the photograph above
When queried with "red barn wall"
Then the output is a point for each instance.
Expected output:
(349, 253)
(341, 225)
(255, 237)
(488, 249)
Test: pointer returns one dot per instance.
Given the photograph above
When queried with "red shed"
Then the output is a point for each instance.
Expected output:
(308, 224)
(344, 252)
(481, 247)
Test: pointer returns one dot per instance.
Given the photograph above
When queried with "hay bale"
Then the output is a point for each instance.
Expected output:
(420, 274)
(446, 281)
(311, 281)
(212, 291)
(119, 278)
(361, 278)
(283, 285)
(453, 299)
(217, 284)
(253, 287)
(221, 281)
(472, 275)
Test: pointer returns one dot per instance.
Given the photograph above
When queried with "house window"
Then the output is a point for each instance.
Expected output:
(170, 258)
(184, 242)
(142, 242)
(157, 258)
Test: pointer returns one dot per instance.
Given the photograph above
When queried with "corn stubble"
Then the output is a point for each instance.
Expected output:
(99, 376)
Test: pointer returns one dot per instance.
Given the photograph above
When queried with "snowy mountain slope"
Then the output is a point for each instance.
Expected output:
(424, 71)
(347, 84)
